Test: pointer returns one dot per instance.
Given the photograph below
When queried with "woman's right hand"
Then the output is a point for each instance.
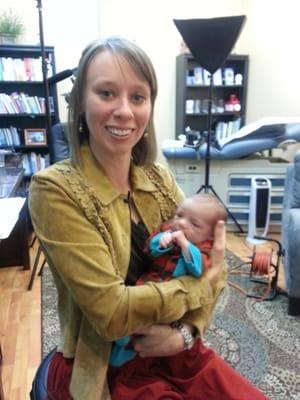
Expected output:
(214, 273)
(159, 340)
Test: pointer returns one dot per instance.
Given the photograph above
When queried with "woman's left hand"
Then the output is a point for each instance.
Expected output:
(157, 340)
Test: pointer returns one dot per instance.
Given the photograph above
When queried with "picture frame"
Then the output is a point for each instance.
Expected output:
(35, 137)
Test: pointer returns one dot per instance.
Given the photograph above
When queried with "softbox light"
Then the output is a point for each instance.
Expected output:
(210, 40)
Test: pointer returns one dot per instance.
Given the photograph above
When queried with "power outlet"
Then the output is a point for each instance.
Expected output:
(192, 168)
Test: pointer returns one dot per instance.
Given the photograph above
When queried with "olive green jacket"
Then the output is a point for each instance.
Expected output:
(83, 225)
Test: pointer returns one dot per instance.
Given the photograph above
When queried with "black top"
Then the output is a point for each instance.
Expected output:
(139, 260)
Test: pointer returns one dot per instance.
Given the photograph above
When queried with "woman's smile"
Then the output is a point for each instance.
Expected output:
(119, 132)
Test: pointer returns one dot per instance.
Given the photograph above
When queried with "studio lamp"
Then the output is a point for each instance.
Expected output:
(210, 41)
(44, 70)
(53, 80)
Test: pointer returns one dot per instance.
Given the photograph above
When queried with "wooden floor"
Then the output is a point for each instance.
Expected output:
(20, 330)
(20, 321)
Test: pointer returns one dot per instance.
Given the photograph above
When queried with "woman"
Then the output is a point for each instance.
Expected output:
(101, 206)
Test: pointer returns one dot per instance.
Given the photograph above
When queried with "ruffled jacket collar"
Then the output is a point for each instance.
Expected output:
(90, 169)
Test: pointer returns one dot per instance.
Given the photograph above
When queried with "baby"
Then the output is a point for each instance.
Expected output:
(180, 247)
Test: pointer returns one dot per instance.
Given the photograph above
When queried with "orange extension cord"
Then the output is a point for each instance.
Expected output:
(261, 265)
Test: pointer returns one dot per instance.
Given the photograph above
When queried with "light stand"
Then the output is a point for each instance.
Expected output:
(206, 185)
(210, 42)
(44, 71)
(53, 80)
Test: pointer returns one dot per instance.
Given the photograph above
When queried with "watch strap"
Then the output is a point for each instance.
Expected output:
(188, 338)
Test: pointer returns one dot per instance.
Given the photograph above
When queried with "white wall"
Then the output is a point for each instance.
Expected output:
(69, 26)
(270, 38)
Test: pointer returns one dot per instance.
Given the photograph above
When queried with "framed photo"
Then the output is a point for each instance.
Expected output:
(35, 137)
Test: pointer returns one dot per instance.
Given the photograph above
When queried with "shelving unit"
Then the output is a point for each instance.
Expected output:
(192, 94)
(21, 73)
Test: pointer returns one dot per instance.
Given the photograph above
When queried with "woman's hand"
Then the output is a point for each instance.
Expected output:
(160, 340)
(217, 253)
(157, 340)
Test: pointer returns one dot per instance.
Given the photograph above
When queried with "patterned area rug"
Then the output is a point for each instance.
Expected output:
(258, 339)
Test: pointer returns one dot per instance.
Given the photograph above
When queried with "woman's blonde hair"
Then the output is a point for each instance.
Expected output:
(144, 152)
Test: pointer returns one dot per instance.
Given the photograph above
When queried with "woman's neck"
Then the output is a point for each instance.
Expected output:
(119, 178)
(117, 170)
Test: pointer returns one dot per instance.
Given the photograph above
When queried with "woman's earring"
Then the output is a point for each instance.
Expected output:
(146, 134)
(80, 128)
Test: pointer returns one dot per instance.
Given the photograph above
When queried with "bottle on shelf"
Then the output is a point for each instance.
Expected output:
(233, 104)
(220, 106)
(238, 79)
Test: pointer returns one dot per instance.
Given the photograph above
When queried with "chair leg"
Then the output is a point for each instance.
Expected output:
(36, 263)
(33, 241)
(42, 268)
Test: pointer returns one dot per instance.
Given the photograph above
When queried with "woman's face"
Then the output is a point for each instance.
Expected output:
(117, 106)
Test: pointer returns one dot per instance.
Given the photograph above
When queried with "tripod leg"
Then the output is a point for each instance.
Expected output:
(203, 187)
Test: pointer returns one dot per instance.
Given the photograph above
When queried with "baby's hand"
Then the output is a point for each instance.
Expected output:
(165, 240)
(178, 237)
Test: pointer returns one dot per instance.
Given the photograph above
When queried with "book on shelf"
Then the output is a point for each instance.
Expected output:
(7, 103)
(198, 76)
(22, 103)
(33, 104)
(9, 136)
(28, 70)
(206, 77)
(26, 165)
(2, 138)
(16, 101)
(33, 162)
(24, 69)
(8, 69)
(42, 104)
(36, 67)
(1, 69)
(19, 70)
(15, 136)
(217, 78)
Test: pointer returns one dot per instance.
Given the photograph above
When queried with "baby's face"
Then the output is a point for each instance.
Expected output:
(195, 220)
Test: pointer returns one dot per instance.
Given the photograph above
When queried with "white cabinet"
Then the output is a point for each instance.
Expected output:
(231, 179)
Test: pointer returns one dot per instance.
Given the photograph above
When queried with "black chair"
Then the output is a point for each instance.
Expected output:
(35, 265)
(58, 150)
(39, 385)
(59, 146)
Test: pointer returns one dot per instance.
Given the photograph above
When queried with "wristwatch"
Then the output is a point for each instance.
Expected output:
(188, 338)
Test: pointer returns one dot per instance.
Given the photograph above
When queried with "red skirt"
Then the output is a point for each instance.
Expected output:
(197, 374)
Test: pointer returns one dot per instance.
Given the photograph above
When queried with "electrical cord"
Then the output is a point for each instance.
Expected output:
(261, 265)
